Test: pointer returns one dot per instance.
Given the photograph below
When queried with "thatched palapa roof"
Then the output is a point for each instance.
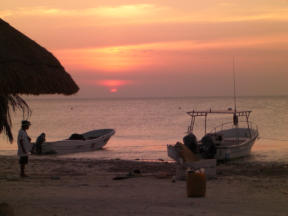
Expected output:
(28, 68)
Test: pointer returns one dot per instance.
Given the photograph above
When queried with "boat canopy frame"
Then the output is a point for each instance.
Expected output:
(205, 113)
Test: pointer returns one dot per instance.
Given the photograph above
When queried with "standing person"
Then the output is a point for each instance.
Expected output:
(24, 146)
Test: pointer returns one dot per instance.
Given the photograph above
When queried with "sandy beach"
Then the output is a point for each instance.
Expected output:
(87, 187)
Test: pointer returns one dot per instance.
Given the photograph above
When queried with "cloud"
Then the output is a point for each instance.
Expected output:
(162, 12)
(126, 11)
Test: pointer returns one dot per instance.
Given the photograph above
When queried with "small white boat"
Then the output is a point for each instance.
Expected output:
(89, 141)
(227, 141)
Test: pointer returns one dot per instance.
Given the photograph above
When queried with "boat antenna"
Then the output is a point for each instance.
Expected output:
(234, 78)
(235, 117)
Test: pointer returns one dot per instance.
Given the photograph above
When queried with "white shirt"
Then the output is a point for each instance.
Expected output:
(22, 135)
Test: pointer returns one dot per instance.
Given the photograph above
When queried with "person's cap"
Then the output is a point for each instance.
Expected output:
(26, 123)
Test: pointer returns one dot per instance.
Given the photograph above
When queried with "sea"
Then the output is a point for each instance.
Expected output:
(144, 126)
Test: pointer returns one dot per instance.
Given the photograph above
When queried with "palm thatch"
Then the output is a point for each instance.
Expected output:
(26, 68)
(15, 102)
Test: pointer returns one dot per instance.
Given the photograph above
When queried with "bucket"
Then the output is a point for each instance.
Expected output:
(196, 183)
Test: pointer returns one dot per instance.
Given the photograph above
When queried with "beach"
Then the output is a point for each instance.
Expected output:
(211, 75)
(59, 187)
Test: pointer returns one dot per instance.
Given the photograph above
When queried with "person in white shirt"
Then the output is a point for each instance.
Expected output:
(24, 146)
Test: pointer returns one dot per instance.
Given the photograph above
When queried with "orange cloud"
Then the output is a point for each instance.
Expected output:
(108, 59)
(126, 58)
(188, 11)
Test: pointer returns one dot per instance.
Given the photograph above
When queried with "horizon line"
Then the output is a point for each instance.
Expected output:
(141, 97)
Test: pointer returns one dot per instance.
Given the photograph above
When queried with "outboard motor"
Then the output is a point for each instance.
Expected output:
(190, 141)
(208, 148)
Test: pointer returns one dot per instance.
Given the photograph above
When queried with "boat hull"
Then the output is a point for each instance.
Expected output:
(234, 152)
(236, 147)
(230, 148)
(94, 140)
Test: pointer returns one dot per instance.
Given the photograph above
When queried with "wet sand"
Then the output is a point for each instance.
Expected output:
(86, 187)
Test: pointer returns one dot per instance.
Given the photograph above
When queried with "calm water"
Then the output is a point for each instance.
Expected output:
(145, 126)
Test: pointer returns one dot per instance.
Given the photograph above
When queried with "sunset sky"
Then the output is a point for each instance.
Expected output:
(143, 48)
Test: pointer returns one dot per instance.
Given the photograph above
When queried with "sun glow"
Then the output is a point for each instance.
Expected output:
(113, 85)
(113, 90)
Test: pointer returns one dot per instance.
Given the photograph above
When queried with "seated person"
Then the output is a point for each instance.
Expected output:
(39, 141)
(76, 136)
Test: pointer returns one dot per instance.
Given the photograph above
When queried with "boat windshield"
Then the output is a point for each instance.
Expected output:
(205, 113)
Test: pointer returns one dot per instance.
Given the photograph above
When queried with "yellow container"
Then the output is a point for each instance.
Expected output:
(196, 183)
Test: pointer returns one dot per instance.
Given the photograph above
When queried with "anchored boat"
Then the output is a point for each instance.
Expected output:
(89, 141)
(229, 140)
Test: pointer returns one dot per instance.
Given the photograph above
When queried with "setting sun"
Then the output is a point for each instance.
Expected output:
(113, 90)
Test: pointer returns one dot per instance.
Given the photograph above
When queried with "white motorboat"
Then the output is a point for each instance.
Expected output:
(227, 141)
(89, 141)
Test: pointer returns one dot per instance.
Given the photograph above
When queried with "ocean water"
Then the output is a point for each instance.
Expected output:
(145, 126)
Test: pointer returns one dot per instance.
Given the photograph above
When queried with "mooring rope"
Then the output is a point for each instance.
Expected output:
(272, 138)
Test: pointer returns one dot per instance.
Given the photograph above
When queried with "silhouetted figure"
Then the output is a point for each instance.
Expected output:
(76, 136)
(24, 146)
(39, 141)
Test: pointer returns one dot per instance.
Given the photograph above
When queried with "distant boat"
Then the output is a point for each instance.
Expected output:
(227, 141)
(89, 141)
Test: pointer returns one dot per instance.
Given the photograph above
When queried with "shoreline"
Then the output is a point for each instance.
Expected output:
(64, 186)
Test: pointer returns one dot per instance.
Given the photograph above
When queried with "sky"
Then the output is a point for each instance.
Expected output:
(163, 48)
